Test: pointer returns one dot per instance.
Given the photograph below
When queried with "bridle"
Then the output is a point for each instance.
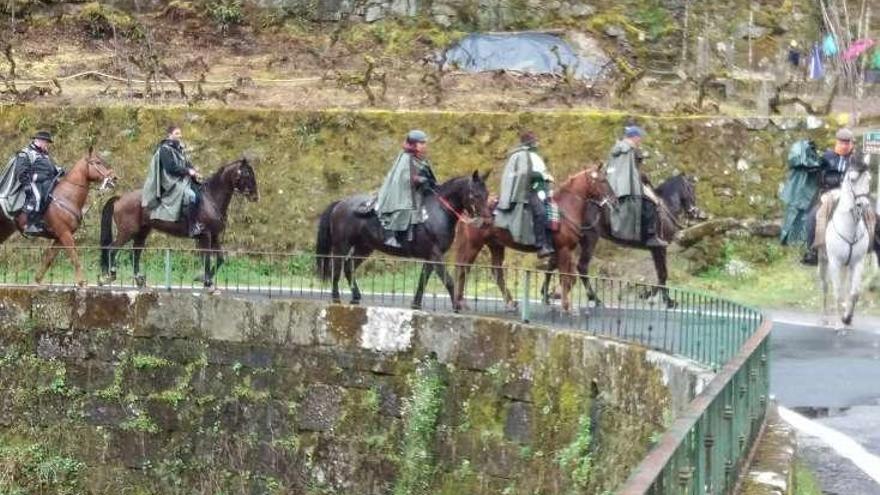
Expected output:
(108, 180)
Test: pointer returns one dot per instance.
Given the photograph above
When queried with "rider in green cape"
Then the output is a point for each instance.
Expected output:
(399, 205)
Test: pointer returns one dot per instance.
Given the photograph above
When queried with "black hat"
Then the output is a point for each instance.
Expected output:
(44, 135)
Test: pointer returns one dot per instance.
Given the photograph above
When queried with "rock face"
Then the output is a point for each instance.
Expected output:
(244, 395)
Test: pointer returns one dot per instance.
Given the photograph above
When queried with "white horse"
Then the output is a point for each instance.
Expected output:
(846, 244)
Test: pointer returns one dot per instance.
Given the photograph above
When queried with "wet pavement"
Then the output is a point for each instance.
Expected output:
(833, 379)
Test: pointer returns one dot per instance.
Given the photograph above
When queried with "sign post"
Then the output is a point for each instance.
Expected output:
(871, 146)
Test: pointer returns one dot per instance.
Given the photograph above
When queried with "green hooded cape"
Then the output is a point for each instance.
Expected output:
(165, 195)
(623, 177)
(512, 212)
(800, 190)
(399, 205)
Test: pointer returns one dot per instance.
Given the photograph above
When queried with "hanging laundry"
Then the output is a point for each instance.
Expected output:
(875, 60)
(829, 45)
(817, 71)
(857, 48)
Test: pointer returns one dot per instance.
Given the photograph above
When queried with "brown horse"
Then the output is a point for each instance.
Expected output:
(64, 213)
(133, 222)
(587, 186)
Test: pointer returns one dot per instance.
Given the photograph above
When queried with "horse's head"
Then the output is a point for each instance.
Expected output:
(592, 184)
(858, 182)
(244, 179)
(476, 202)
(97, 170)
(688, 198)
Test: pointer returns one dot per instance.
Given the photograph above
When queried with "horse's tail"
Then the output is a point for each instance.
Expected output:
(324, 244)
(107, 232)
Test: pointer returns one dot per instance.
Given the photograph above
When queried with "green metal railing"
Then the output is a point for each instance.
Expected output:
(702, 453)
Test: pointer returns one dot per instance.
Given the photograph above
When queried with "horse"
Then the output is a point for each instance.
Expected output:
(65, 211)
(588, 186)
(847, 241)
(133, 223)
(346, 237)
(677, 195)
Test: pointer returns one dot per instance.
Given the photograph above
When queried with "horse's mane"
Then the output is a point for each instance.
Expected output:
(568, 184)
(218, 174)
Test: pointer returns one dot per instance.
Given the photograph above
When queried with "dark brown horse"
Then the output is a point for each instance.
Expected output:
(678, 196)
(133, 222)
(64, 214)
(346, 237)
(586, 187)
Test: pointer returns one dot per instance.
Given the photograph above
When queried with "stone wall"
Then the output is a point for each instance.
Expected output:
(182, 393)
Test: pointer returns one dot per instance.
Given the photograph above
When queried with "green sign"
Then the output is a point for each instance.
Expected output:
(872, 143)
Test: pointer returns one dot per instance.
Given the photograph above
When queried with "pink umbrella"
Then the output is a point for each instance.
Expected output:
(857, 48)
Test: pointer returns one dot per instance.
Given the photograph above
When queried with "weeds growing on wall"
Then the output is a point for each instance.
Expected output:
(421, 413)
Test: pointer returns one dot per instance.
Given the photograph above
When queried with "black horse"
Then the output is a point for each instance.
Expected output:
(346, 237)
(678, 196)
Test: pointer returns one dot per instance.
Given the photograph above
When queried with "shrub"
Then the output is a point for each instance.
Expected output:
(225, 13)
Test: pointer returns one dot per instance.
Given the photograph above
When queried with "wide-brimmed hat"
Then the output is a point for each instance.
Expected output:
(44, 135)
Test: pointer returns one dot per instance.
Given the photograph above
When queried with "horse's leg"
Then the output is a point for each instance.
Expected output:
(545, 286)
(464, 257)
(349, 266)
(854, 287)
(496, 250)
(138, 243)
(204, 246)
(836, 271)
(588, 247)
(336, 272)
(427, 268)
(823, 282)
(566, 279)
(659, 256)
(66, 240)
(48, 258)
(444, 277)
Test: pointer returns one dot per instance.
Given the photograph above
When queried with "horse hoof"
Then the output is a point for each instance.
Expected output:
(355, 302)
(671, 304)
(415, 306)
(336, 300)
(847, 320)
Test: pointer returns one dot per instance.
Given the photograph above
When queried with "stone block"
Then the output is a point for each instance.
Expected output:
(228, 319)
(486, 345)
(15, 310)
(440, 335)
(341, 325)
(320, 408)
(518, 423)
(168, 315)
(53, 309)
(104, 310)
(387, 330)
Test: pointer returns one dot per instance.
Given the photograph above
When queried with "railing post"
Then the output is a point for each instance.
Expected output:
(168, 269)
(524, 303)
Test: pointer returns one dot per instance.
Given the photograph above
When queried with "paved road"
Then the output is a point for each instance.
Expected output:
(835, 380)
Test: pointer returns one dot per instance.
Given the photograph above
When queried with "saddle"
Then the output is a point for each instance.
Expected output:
(367, 208)
(827, 204)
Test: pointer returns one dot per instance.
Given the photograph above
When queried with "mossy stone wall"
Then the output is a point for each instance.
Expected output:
(150, 393)
(308, 159)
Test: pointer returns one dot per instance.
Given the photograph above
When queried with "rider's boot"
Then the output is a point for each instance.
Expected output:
(391, 239)
(811, 257)
(650, 217)
(542, 234)
(34, 223)
(194, 227)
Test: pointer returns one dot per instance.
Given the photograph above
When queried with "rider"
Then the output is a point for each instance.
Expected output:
(173, 192)
(399, 205)
(525, 181)
(37, 173)
(631, 186)
(834, 164)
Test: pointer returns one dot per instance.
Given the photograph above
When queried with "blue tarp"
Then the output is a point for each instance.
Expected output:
(526, 52)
